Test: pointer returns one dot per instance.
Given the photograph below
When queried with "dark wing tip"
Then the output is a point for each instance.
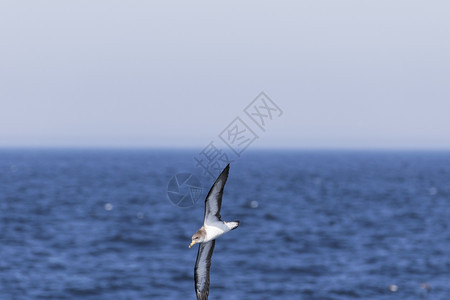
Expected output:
(223, 175)
(227, 168)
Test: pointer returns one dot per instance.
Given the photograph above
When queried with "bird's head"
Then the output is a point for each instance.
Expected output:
(198, 237)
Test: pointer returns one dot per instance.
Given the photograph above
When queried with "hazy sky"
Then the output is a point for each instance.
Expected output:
(364, 74)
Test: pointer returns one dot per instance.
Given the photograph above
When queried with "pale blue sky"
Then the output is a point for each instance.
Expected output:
(347, 74)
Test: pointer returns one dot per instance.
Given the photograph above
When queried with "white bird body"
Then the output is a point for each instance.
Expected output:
(218, 228)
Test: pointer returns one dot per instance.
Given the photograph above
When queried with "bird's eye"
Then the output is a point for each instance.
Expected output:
(196, 237)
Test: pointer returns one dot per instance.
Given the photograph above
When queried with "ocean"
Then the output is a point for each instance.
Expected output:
(100, 224)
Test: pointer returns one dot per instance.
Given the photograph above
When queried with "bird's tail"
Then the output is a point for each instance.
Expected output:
(233, 225)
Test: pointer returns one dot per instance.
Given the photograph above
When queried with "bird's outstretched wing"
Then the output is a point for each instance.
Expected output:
(213, 201)
(201, 270)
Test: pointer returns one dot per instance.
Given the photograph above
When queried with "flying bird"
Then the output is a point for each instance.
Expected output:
(212, 228)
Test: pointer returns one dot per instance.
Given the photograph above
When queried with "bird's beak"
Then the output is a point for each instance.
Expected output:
(192, 244)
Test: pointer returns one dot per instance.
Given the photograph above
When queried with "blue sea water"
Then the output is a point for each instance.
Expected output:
(97, 224)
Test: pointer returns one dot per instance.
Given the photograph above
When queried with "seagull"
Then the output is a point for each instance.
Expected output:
(212, 228)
